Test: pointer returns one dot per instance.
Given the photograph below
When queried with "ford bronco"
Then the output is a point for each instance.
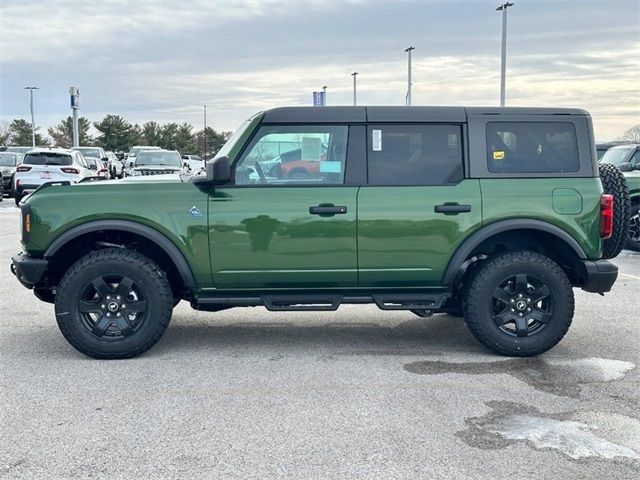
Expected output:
(494, 214)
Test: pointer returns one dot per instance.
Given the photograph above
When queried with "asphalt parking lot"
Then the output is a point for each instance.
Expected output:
(355, 394)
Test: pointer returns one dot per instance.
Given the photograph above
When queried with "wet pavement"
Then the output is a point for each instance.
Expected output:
(356, 393)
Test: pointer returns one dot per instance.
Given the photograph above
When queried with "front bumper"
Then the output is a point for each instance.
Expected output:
(28, 270)
(598, 276)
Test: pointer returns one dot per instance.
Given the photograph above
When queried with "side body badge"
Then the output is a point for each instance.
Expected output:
(195, 212)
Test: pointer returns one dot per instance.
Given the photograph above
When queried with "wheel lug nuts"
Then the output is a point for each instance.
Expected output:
(520, 314)
(123, 306)
(513, 310)
(528, 309)
(528, 300)
(512, 300)
(108, 297)
(103, 306)
(118, 314)
(118, 297)
(108, 314)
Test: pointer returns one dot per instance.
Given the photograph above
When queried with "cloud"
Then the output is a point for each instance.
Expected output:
(164, 60)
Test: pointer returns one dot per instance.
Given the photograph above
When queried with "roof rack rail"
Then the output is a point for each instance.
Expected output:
(91, 179)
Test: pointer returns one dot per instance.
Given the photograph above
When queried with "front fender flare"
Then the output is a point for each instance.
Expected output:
(149, 233)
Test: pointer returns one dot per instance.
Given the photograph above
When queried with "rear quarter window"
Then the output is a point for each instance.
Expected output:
(532, 147)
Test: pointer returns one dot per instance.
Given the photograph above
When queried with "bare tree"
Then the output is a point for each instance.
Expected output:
(5, 133)
(633, 134)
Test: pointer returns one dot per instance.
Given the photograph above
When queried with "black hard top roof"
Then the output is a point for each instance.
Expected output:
(400, 114)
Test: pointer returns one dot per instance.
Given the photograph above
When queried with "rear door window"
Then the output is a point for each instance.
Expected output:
(414, 154)
(47, 158)
(532, 147)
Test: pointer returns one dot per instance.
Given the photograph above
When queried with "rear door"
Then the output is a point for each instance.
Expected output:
(272, 229)
(417, 207)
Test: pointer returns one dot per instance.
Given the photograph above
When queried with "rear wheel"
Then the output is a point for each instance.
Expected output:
(519, 304)
(614, 183)
(113, 303)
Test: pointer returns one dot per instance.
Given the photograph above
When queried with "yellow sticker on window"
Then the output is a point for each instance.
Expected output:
(498, 155)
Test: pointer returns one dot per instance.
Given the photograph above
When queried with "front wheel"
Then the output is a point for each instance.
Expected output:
(113, 303)
(519, 304)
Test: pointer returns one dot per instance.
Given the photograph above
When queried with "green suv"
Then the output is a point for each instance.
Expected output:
(488, 213)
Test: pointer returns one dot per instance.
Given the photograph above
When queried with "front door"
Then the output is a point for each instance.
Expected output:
(288, 220)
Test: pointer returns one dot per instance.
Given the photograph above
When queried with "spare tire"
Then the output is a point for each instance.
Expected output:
(614, 183)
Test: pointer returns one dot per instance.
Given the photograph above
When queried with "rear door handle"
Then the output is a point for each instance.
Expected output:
(328, 210)
(452, 208)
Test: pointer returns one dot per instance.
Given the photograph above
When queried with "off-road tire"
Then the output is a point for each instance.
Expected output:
(149, 279)
(633, 240)
(614, 183)
(479, 304)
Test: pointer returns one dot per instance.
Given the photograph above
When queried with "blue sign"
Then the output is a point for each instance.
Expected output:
(318, 99)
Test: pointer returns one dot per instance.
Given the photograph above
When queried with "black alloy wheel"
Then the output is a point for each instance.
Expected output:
(522, 305)
(112, 307)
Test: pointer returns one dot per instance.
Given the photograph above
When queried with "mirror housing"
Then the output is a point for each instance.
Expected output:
(636, 166)
(218, 172)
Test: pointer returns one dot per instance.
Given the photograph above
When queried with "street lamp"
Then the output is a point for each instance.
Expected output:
(324, 95)
(408, 50)
(33, 124)
(503, 66)
(354, 75)
(204, 133)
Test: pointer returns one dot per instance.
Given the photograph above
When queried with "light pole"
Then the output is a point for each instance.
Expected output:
(324, 94)
(33, 124)
(503, 64)
(204, 157)
(354, 75)
(408, 50)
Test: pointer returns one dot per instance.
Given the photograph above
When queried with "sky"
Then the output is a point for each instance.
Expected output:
(164, 60)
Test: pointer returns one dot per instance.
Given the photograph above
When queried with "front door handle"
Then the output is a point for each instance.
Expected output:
(452, 208)
(327, 210)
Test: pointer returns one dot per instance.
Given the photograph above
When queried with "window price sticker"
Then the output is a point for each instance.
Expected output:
(376, 140)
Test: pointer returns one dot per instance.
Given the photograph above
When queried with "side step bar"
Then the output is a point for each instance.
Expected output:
(305, 302)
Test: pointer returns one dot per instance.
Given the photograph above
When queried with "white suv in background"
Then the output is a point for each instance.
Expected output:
(131, 157)
(42, 165)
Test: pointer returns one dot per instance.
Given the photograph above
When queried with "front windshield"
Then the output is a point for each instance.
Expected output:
(226, 148)
(88, 152)
(8, 159)
(152, 157)
(617, 155)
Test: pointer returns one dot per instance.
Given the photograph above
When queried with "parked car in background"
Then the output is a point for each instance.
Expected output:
(157, 162)
(115, 166)
(627, 158)
(43, 165)
(131, 157)
(98, 168)
(601, 148)
(9, 161)
(194, 162)
(93, 152)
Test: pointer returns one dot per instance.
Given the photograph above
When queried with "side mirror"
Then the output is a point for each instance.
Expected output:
(636, 166)
(93, 167)
(625, 167)
(218, 172)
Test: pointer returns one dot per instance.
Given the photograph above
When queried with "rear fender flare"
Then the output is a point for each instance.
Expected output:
(484, 233)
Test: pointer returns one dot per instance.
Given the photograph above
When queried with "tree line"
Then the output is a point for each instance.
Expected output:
(118, 135)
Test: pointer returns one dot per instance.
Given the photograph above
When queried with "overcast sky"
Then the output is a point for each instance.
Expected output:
(162, 61)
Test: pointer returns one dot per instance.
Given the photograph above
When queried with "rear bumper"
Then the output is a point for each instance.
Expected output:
(24, 189)
(598, 276)
(28, 270)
